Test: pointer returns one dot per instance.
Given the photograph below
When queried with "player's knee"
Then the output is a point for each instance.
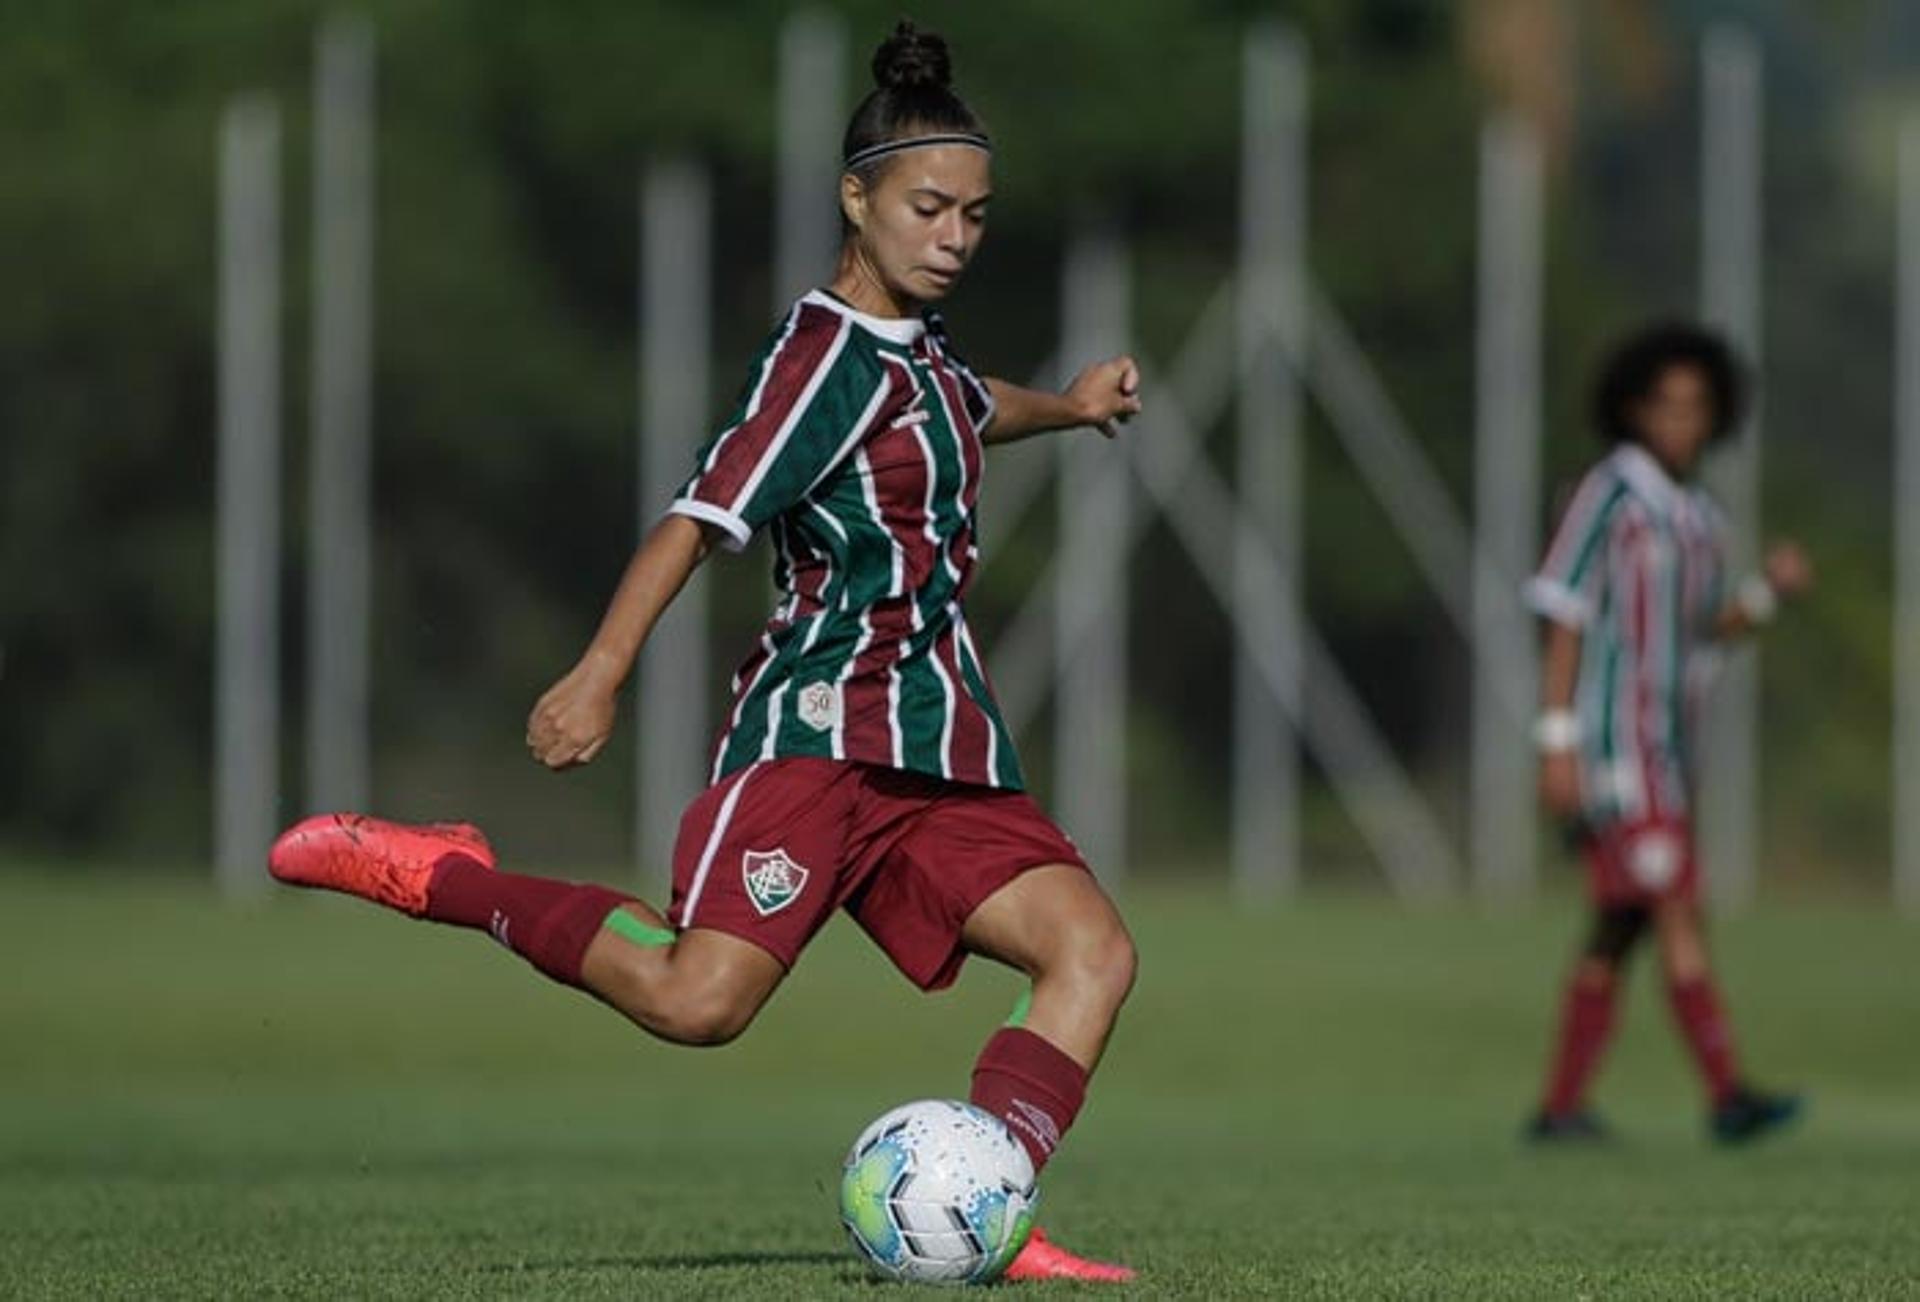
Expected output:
(705, 1008)
(1683, 950)
(1122, 964)
(1099, 956)
(706, 1019)
(1677, 917)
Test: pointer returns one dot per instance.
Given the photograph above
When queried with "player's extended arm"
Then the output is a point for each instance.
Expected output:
(572, 721)
(1786, 574)
(1102, 394)
(1558, 734)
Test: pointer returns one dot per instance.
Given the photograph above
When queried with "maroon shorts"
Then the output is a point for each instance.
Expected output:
(1641, 862)
(769, 852)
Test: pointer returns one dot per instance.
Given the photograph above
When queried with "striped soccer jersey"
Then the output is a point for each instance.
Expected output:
(1636, 565)
(858, 446)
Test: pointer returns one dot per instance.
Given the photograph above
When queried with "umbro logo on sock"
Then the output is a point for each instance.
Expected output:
(497, 928)
(1037, 1122)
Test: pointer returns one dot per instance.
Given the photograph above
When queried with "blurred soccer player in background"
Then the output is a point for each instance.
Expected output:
(1637, 605)
(864, 764)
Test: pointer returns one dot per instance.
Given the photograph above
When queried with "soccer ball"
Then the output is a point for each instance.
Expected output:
(938, 1192)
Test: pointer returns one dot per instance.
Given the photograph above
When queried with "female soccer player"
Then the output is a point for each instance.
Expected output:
(1636, 604)
(864, 764)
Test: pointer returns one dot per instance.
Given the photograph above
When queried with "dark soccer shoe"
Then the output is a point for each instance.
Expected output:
(1567, 1128)
(1749, 1113)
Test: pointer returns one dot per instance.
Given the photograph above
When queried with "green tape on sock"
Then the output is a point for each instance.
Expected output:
(1021, 1007)
(627, 927)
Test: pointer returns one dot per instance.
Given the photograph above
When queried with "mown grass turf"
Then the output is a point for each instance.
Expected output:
(314, 1098)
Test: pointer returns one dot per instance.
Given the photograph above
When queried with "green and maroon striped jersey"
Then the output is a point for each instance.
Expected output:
(857, 446)
(1636, 565)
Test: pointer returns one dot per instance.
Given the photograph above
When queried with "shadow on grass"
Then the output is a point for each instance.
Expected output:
(677, 1261)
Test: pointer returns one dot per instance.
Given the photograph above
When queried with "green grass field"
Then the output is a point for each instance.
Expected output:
(313, 1098)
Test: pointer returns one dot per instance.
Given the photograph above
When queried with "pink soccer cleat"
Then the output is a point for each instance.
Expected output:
(1043, 1259)
(388, 863)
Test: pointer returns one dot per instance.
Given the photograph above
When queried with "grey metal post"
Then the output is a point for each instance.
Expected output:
(1730, 300)
(247, 672)
(1271, 336)
(1906, 532)
(813, 55)
(1165, 449)
(1095, 502)
(675, 337)
(1035, 640)
(1200, 509)
(1506, 497)
(338, 604)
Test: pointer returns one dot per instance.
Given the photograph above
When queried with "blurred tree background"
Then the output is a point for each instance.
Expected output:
(510, 140)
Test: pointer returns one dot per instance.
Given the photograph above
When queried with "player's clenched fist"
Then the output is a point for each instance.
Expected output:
(1106, 392)
(573, 720)
(1789, 572)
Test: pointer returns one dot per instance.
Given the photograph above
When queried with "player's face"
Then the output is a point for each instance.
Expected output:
(1676, 417)
(923, 218)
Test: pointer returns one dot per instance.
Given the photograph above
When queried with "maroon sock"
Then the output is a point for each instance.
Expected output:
(1696, 1006)
(1586, 1024)
(1032, 1086)
(549, 923)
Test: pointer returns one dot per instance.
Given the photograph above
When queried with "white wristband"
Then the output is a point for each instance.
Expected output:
(1556, 732)
(1756, 599)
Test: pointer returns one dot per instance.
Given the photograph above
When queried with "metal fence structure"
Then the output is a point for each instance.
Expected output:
(1270, 342)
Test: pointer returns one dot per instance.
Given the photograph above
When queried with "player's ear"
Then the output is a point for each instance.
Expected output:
(853, 200)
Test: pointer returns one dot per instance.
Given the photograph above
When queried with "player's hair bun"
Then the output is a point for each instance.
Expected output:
(913, 96)
(912, 60)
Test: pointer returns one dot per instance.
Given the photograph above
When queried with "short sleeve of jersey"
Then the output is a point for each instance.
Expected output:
(1567, 587)
(808, 401)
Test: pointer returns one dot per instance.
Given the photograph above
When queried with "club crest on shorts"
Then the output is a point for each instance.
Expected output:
(773, 881)
(1654, 860)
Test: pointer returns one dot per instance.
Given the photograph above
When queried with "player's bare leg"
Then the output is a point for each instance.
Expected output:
(696, 988)
(1683, 943)
(702, 989)
(1056, 925)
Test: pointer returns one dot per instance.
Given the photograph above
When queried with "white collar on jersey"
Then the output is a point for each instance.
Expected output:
(900, 330)
(1645, 475)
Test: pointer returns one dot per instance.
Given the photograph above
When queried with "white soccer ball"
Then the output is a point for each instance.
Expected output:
(938, 1192)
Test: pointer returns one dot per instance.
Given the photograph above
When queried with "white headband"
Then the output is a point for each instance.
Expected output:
(861, 157)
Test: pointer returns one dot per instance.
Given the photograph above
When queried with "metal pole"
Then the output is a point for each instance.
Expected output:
(675, 330)
(1390, 459)
(1095, 502)
(247, 673)
(1167, 452)
(813, 56)
(1506, 489)
(1730, 301)
(1200, 510)
(1271, 335)
(1201, 381)
(1906, 529)
(338, 607)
